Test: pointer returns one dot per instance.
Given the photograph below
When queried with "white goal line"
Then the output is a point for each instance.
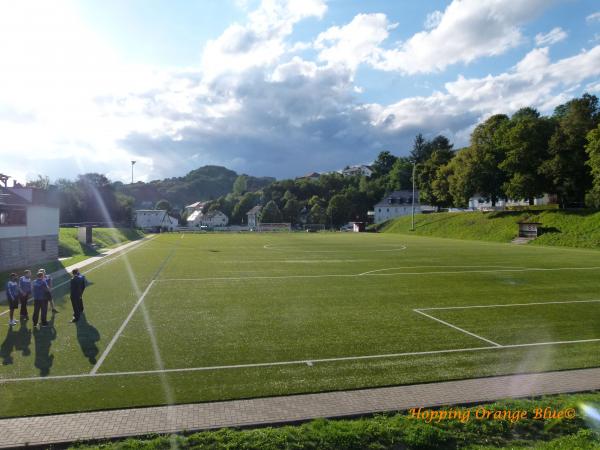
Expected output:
(308, 362)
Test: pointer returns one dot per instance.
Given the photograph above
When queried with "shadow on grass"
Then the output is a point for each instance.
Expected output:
(43, 338)
(15, 340)
(87, 336)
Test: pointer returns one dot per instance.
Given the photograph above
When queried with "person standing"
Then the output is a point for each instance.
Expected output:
(48, 280)
(24, 293)
(78, 283)
(12, 295)
(40, 300)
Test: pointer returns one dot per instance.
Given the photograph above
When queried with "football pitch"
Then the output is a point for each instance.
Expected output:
(201, 317)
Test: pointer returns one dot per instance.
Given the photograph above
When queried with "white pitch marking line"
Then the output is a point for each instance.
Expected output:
(393, 249)
(120, 330)
(299, 362)
(509, 305)
(434, 267)
(113, 258)
(457, 328)
(346, 275)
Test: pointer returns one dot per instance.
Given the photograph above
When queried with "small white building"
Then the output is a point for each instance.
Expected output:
(254, 216)
(197, 206)
(29, 223)
(155, 220)
(210, 219)
(481, 203)
(399, 203)
(360, 170)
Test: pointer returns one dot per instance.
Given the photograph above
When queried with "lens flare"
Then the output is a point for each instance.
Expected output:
(591, 415)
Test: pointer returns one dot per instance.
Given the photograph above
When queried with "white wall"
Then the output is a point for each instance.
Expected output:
(41, 221)
(383, 213)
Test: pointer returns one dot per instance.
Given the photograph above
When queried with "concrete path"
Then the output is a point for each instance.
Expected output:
(67, 428)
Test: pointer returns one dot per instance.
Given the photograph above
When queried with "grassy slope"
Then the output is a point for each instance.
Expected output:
(228, 320)
(400, 431)
(562, 228)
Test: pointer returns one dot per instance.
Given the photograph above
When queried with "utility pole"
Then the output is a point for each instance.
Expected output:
(413, 195)
(132, 163)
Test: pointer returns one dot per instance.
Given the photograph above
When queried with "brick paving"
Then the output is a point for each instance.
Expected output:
(67, 428)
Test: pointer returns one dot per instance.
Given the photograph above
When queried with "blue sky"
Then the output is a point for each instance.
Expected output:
(273, 87)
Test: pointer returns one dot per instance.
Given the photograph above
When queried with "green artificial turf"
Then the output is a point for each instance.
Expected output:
(241, 299)
(576, 228)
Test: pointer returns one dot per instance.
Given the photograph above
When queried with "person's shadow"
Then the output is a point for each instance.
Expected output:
(23, 340)
(7, 347)
(87, 336)
(43, 341)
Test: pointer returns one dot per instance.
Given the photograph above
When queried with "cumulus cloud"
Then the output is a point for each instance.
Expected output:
(433, 19)
(553, 36)
(595, 17)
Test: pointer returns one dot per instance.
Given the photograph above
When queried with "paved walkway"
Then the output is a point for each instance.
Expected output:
(277, 410)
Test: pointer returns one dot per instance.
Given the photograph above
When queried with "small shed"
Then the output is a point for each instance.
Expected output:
(359, 227)
(529, 229)
(84, 234)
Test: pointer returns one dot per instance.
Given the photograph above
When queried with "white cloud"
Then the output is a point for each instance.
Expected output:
(433, 19)
(553, 36)
(355, 42)
(260, 42)
(595, 17)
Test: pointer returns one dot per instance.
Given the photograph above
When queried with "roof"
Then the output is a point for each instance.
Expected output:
(392, 198)
(9, 198)
(254, 210)
(157, 211)
(196, 205)
(193, 216)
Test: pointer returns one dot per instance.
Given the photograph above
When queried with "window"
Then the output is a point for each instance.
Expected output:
(12, 216)
(43, 245)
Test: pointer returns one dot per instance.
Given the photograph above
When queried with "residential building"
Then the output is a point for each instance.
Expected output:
(360, 170)
(254, 217)
(210, 219)
(197, 206)
(481, 203)
(29, 224)
(155, 220)
(399, 203)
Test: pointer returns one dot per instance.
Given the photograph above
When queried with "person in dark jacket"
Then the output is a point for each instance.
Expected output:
(40, 300)
(78, 283)
(12, 295)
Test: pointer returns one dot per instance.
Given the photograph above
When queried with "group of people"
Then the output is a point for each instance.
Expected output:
(20, 289)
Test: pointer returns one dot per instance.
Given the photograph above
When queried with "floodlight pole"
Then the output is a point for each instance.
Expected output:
(132, 163)
(413, 196)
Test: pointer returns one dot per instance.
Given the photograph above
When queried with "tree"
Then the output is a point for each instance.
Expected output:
(461, 176)
(526, 142)
(318, 214)
(593, 150)
(163, 205)
(420, 151)
(270, 213)
(339, 210)
(245, 203)
(383, 164)
(400, 176)
(291, 210)
(42, 182)
(240, 185)
(487, 153)
(566, 167)
(427, 171)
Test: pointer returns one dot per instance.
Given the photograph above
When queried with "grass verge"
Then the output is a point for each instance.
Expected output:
(404, 431)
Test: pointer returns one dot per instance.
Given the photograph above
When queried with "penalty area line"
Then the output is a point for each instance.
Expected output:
(507, 305)
(306, 362)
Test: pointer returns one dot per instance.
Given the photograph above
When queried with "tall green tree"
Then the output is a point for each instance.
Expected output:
(461, 176)
(271, 213)
(593, 150)
(427, 171)
(486, 155)
(383, 164)
(291, 210)
(420, 150)
(240, 185)
(566, 167)
(526, 142)
(339, 210)
(163, 205)
(400, 176)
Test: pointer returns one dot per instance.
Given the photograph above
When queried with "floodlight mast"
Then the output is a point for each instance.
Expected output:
(413, 196)
(132, 163)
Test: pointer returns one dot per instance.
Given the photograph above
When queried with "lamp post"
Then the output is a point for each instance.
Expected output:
(132, 163)
(413, 196)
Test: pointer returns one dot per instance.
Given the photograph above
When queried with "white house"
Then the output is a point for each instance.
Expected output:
(399, 203)
(197, 206)
(155, 220)
(360, 170)
(253, 216)
(210, 219)
(29, 222)
(479, 202)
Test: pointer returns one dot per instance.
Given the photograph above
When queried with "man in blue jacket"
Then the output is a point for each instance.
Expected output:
(77, 287)
(12, 295)
(40, 300)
